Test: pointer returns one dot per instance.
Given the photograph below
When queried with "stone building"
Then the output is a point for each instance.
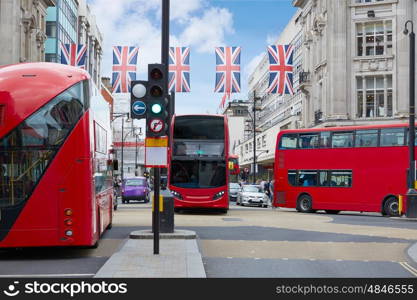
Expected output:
(356, 59)
(23, 30)
(71, 21)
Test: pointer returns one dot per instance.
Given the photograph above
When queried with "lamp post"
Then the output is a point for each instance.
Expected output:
(114, 117)
(411, 193)
(254, 135)
(137, 134)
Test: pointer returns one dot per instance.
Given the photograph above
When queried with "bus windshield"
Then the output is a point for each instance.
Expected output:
(198, 128)
(198, 174)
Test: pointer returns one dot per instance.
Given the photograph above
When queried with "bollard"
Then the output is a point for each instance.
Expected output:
(167, 214)
(411, 207)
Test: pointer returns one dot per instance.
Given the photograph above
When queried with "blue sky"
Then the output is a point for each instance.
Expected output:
(200, 24)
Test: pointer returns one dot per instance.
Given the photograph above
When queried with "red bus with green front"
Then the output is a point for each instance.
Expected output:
(55, 174)
(198, 174)
(358, 168)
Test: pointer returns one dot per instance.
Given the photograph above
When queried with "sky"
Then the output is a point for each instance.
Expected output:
(201, 25)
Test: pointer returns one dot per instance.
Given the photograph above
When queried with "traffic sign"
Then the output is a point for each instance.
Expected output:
(139, 108)
(156, 125)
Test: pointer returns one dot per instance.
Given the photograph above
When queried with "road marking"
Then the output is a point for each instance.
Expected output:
(46, 275)
(409, 268)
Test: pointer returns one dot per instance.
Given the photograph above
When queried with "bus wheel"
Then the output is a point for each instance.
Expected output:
(332, 211)
(391, 207)
(305, 204)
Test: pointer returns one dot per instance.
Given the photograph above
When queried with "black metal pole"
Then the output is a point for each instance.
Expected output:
(157, 174)
(136, 155)
(254, 137)
(123, 124)
(412, 130)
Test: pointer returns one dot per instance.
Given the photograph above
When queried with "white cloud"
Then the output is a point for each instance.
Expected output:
(137, 23)
(181, 10)
(251, 66)
(209, 31)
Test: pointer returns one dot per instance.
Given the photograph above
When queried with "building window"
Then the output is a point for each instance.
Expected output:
(374, 38)
(368, 1)
(374, 96)
(51, 29)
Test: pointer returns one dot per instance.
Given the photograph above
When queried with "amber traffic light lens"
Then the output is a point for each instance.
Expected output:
(156, 91)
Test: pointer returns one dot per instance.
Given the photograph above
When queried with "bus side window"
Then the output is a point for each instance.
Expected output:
(323, 178)
(325, 139)
(292, 177)
(288, 141)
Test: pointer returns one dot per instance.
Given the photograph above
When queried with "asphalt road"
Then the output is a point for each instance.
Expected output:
(249, 242)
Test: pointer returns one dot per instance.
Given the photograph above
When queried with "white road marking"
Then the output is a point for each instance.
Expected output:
(409, 268)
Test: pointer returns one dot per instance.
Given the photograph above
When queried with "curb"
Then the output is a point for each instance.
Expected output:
(412, 252)
(177, 234)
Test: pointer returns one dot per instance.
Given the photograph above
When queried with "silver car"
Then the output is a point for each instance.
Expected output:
(252, 195)
(234, 189)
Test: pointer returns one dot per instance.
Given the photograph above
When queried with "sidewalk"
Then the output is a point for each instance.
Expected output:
(179, 257)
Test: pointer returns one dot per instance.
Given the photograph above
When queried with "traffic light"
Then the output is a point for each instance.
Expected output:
(157, 115)
(138, 99)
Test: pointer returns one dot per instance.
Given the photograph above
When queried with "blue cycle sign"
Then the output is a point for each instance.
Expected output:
(139, 108)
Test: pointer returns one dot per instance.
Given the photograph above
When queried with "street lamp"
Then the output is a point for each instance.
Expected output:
(137, 134)
(114, 117)
(411, 193)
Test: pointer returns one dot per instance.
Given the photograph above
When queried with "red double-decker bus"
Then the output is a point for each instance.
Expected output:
(198, 173)
(55, 176)
(362, 168)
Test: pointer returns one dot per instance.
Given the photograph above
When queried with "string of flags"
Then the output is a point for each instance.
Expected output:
(227, 68)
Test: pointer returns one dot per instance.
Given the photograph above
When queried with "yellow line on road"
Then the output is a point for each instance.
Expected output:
(409, 268)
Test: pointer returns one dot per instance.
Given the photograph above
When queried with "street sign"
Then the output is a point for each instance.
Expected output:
(156, 152)
(139, 108)
(156, 125)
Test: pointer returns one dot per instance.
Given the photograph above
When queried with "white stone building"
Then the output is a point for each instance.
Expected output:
(23, 30)
(356, 60)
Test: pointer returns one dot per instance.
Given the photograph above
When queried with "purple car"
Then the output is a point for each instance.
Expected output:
(135, 188)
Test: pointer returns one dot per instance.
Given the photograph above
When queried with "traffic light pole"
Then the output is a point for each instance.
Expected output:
(157, 171)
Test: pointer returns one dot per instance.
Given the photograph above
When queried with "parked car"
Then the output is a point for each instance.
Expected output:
(234, 189)
(252, 195)
(135, 188)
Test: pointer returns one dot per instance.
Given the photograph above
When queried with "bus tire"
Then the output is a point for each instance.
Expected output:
(305, 204)
(391, 207)
(332, 211)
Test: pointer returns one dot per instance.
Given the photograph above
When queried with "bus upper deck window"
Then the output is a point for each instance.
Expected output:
(288, 141)
(308, 141)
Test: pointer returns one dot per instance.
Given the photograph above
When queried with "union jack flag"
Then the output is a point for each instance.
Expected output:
(227, 71)
(73, 55)
(280, 69)
(124, 68)
(179, 69)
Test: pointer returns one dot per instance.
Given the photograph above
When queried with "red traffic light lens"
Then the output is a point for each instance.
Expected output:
(156, 74)
(155, 91)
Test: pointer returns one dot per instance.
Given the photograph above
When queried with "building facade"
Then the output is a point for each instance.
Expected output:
(72, 22)
(23, 30)
(356, 60)
(273, 112)
(237, 113)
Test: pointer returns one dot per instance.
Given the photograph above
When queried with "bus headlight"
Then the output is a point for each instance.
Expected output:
(218, 195)
(176, 195)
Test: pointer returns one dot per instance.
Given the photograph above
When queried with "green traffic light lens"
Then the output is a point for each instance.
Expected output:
(156, 108)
